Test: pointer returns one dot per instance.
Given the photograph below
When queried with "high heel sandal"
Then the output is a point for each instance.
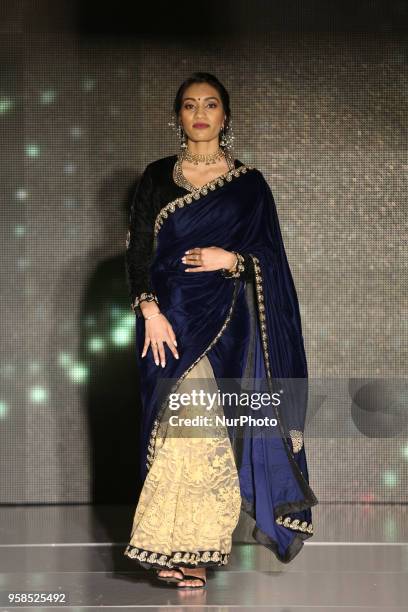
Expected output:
(170, 579)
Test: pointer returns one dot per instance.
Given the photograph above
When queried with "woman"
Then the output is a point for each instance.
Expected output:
(214, 299)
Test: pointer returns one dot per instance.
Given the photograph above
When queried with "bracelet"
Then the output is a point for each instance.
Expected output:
(237, 269)
(143, 297)
(156, 314)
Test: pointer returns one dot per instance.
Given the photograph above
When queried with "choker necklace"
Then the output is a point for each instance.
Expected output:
(180, 179)
(195, 158)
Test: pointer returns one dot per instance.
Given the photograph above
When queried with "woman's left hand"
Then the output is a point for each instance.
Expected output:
(208, 258)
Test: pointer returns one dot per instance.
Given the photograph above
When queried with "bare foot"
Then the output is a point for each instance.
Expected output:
(198, 571)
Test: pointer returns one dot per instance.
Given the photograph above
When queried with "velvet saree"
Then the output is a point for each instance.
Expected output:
(232, 329)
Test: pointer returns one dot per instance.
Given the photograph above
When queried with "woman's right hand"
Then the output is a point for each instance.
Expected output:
(158, 330)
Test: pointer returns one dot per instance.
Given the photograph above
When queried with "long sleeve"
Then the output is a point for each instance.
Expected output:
(140, 240)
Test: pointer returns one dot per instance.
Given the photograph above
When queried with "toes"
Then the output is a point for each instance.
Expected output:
(190, 583)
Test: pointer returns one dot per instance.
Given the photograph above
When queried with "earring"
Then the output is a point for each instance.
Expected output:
(183, 140)
(175, 125)
(227, 137)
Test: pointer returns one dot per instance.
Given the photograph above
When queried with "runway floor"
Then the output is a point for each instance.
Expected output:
(357, 560)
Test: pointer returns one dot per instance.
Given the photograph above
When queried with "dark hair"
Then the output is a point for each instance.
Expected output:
(204, 77)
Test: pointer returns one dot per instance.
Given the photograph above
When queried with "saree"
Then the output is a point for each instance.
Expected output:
(226, 328)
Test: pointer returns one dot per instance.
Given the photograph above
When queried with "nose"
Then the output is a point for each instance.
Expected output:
(200, 113)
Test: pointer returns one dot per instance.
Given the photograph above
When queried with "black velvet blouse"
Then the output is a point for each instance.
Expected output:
(155, 189)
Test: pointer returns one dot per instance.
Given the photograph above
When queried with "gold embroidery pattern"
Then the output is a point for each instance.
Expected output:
(196, 195)
(170, 561)
(296, 435)
(297, 438)
(295, 524)
(261, 309)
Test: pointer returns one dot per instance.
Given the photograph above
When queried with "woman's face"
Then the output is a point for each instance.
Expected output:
(201, 103)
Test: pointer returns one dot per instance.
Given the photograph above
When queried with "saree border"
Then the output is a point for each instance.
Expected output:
(197, 194)
(149, 558)
(295, 524)
(294, 547)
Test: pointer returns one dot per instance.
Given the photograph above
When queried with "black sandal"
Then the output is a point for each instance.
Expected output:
(191, 577)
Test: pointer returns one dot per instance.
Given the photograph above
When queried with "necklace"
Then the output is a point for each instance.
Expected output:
(181, 180)
(195, 158)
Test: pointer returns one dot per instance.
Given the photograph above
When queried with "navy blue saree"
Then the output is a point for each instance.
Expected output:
(248, 328)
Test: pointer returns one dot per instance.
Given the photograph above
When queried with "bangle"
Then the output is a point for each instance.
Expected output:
(143, 297)
(234, 267)
(156, 314)
(237, 269)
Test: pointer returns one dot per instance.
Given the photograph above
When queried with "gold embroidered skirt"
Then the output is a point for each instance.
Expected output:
(190, 501)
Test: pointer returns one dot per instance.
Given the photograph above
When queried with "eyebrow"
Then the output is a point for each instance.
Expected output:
(207, 98)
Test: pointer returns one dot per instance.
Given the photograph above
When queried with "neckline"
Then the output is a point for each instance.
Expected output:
(195, 188)
(190, 196)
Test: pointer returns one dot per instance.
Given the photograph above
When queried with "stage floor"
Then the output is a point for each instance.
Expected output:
(357, 560)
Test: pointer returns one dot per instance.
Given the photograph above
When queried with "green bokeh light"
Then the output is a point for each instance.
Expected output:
(48, 96)
(404, 451)
(38, 395)
(6, 104)
(128, 320)
(21, 194)
(64, 359)
(121, 335)
(19, 230)
(32, 150)
(3, 410)
(78, 373)
(88, 84)
(390, 478)
(96, 344)
(34, 367)
(123, 328)
(115, 312)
